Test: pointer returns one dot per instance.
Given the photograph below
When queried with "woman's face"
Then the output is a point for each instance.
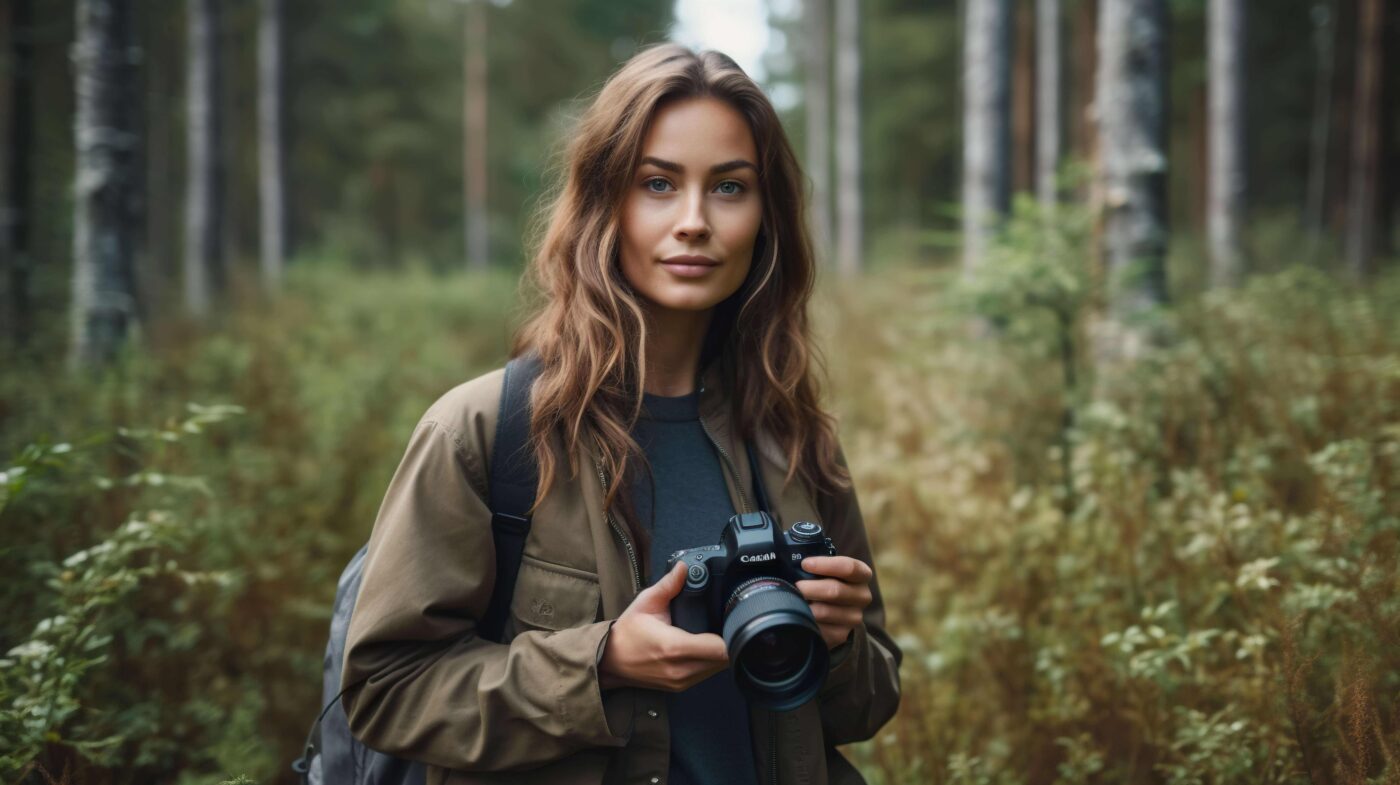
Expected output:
(694, 194)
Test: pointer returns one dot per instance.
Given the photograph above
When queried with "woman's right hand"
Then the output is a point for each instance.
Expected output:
(644, 650)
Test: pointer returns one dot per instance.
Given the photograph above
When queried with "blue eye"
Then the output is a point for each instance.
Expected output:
(738, 186)
(649, 183)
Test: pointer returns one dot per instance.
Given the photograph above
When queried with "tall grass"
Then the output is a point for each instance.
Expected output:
(1188, 576)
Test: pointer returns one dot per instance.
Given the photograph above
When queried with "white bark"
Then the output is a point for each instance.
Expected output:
(1132, 105)
(849, 241)
(1226, 197)
(1048, 96)
(202, 263)
(106, 202)
(986, 186)
(817, 46)
(272, 178)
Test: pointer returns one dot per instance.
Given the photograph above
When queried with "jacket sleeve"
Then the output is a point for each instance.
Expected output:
(861, 692)
(432, 689)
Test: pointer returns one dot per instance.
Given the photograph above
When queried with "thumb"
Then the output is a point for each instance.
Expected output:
(657, 597)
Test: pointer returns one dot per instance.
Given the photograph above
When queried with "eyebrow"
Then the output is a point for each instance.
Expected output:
(727, 166)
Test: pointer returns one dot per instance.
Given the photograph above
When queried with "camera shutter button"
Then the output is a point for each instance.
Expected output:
(806, 531)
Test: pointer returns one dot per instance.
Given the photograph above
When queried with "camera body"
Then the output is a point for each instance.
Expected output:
(750, 547)
(743, 589)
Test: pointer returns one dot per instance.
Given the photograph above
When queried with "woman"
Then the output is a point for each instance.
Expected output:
(675, 271)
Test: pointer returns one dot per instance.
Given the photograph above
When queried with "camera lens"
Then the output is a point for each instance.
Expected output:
(774, 655)
(779, 655)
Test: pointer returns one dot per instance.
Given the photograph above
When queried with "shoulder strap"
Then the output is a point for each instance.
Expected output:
(760, 492)
(514, 479)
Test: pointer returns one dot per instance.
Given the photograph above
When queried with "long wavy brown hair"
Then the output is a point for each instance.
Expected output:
(589, 329)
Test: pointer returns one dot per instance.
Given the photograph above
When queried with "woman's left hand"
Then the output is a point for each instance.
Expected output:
(839, 599)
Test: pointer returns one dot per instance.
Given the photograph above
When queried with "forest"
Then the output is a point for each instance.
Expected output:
(1108, 301)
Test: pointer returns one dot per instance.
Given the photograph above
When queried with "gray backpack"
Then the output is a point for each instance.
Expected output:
(332, 754)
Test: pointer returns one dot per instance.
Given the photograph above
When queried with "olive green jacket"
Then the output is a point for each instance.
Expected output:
(531, 711)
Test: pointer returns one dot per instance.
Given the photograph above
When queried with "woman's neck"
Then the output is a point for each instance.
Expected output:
(674, 341)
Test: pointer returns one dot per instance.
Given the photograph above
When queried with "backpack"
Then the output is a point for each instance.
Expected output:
(332, 754)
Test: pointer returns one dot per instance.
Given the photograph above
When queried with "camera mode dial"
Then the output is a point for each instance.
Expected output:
(696, 576)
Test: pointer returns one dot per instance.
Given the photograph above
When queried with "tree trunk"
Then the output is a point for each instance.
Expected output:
(986, 190)
(1226, 198)
(106, 204)
(158, 273)
(272, 178)
(204, 274)
(16, 200)
(1324, 41)
(1023, 107)
(848, 197)
(1047, 94)
(1132, 108)
(1365, 141)
(474, 143)
(817, 81)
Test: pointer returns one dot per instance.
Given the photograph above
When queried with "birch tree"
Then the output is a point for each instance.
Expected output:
(272, 176)
(1226, 172)
(204, 277)
(848, 196)
(1132, 111)
(986, 186)
(817, 97)
(106, 202)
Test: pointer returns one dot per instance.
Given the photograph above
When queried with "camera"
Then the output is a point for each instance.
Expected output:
(743, 589)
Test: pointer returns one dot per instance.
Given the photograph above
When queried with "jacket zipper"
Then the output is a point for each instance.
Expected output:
(728, 464)
(627, 543)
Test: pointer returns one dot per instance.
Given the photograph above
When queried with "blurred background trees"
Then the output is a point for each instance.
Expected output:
(1139, 528)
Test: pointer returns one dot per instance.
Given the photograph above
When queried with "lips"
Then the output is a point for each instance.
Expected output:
(690, 266)
(692, 260)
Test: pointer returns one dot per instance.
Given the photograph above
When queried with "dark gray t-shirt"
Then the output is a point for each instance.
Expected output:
(710, 735)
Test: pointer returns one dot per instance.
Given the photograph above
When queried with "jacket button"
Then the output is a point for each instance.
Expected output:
(652, 713)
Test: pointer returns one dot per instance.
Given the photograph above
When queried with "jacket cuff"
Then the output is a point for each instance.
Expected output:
(604, 718)
(618, 704)
(844, 661)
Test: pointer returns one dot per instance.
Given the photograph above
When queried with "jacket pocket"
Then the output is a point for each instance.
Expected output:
(553, 597)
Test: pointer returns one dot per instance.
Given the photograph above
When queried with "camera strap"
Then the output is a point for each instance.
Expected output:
(760, 492)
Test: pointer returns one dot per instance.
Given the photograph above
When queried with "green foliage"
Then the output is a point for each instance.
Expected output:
(1194, 579)
(185, 566)
(92, 600)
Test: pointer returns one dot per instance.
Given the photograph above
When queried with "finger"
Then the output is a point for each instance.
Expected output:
(681, 645)
(835, 592)
(836, 614)
(843, 567)
(657, 597)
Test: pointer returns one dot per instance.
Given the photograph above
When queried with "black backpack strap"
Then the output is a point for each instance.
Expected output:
(514, 477)
(514, 480)
(760, 492)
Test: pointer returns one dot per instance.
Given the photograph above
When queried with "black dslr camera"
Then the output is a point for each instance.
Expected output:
(743, 589)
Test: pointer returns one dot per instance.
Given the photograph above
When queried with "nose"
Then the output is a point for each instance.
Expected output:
(693, 224)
